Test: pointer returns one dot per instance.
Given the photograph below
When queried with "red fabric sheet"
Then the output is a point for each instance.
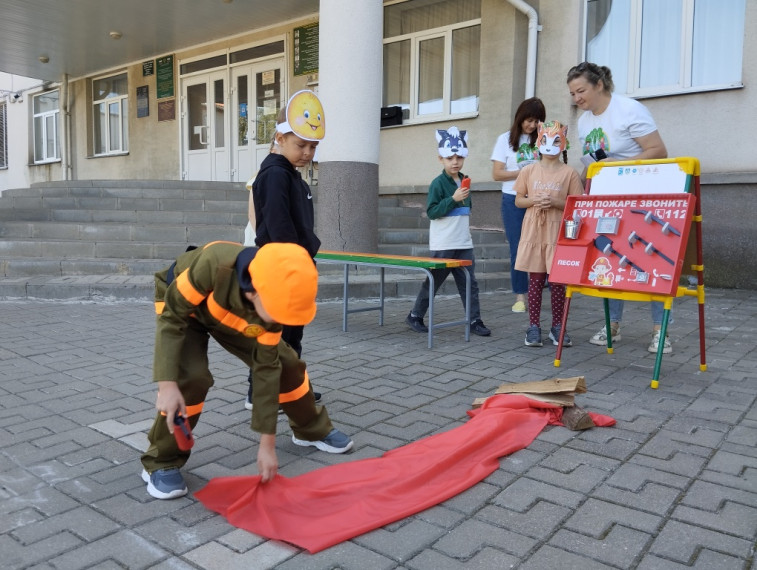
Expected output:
(322, 508)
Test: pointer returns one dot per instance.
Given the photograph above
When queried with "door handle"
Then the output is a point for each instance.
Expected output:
(202, 131)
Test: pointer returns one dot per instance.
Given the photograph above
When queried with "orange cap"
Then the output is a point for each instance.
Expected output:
(285, 277)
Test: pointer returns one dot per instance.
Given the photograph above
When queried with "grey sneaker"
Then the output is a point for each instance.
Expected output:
(667, 348)
(334, 442)
(533, 336)
(165, 483)
(554, 336)
(600, 337)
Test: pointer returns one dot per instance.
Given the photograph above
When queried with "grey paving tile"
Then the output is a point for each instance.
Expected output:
(672, 485)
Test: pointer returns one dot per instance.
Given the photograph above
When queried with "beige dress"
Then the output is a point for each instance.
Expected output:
(541, 227)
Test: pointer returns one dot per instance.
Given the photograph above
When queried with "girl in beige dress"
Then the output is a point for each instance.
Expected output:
(542, 188)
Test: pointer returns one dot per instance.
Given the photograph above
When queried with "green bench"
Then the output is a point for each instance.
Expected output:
(383, 262)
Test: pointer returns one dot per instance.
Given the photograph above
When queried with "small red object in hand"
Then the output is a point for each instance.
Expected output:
(465, 184)
(183, 433)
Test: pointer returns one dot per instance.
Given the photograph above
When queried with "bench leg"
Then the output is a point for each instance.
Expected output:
(346, 294)
(381, 298)
(432, 294)
(467, 305)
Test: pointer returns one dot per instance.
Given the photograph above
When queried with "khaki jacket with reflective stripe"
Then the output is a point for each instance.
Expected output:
(205, 287)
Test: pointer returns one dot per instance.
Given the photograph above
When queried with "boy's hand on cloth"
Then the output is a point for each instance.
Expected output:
(170, 402)
(268, 463)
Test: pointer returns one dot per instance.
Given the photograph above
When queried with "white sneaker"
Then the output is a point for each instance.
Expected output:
(600, 338)
(655, 344)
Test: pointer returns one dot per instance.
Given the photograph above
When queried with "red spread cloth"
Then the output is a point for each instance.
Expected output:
(322, 508)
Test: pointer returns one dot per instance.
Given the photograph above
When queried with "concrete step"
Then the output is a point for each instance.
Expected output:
(78, 249)
(118, 286)
(483, 251)
(410, 235)
(120, 232)
(62, 267)
(133, 188)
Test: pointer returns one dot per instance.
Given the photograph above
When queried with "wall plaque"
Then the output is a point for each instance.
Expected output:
(305, 49)
(164, 76)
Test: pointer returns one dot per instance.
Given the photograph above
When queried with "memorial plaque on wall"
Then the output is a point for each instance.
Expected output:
(305, 49)
(143, 101)
(148, 68)
(167, 110)
(164, 76)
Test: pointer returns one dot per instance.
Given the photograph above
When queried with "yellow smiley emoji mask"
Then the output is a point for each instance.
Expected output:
(304, 117)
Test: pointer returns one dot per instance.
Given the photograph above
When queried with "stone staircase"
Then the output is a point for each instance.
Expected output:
(103, 239)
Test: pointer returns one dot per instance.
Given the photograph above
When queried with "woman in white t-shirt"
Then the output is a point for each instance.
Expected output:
(614, 127)
(512, 151)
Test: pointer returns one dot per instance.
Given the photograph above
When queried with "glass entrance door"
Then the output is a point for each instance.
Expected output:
(255, 103)
(205, 140)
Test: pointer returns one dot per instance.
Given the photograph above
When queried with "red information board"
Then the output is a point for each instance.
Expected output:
(624, 242)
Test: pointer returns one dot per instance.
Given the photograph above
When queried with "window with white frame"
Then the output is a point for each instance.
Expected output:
(658, 47)
(46, 110)
(110, 102)
(3, 135)
(431, 57)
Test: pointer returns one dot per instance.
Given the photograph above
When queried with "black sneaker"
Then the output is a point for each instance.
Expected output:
(478, 327)
(533, 336)
(554, 336)
(416, 323)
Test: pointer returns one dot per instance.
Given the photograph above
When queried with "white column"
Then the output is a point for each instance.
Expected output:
(349, 86)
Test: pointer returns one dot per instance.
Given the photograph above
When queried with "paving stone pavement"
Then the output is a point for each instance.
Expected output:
(673, 485)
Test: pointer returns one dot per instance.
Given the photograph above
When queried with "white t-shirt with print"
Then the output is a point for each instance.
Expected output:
(513, 160)
(614, 130)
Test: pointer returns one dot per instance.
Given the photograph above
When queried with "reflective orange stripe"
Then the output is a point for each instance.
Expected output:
(270, 338)
(297, 393)
(187, 290)
(159, 306)
(224, 316)
(195, 410)
(191, 410)
(220, 241)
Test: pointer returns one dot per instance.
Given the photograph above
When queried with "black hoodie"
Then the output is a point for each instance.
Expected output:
(283, 206)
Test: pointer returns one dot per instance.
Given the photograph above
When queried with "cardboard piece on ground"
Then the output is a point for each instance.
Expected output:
(575, 384)
(558, 391)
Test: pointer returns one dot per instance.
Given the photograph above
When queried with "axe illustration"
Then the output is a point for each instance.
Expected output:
(649, 249)
(604, 244)
(649, 217)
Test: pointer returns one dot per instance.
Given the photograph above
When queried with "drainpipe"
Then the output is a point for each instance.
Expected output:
(66, 138)
(533, 29)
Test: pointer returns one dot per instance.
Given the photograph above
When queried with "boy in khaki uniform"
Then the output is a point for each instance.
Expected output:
(240, 296)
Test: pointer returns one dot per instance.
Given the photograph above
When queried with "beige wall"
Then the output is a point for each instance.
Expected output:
(690, 124)
(154, 147)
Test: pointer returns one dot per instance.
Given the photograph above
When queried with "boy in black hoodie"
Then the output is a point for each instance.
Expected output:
(283, 201)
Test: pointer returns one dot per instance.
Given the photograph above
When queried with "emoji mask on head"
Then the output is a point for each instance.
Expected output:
(452, 142)
(552, 138)
(304, 117)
